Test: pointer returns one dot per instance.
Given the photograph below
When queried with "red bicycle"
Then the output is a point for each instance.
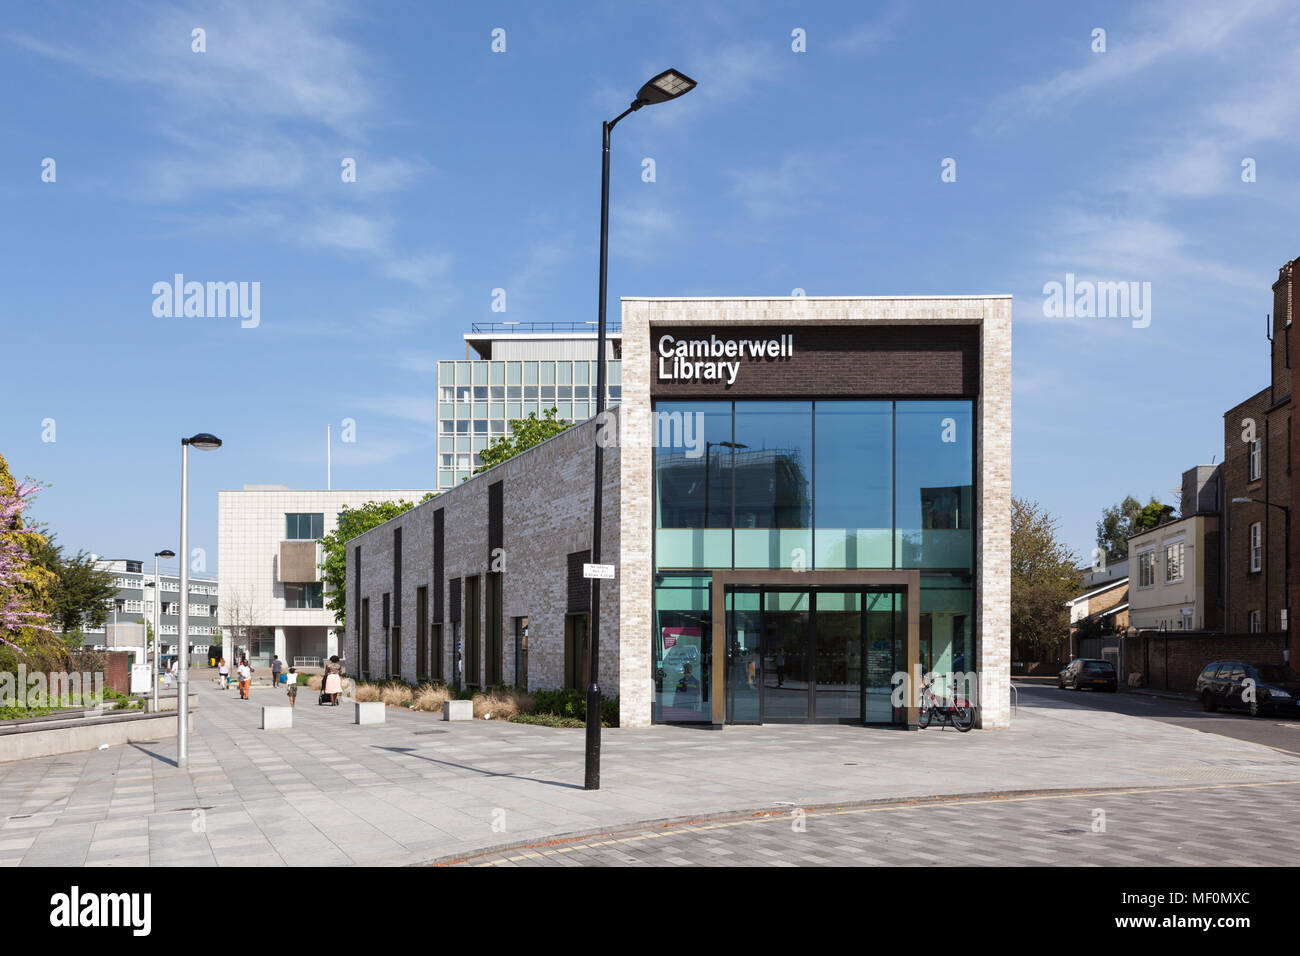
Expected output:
(959, 712)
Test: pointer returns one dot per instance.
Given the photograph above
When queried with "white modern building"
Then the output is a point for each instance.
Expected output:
(133, 605)
(512, 370)
(273, 598)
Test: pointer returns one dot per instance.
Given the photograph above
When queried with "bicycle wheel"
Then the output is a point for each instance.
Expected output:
(923, 718)
(963, 718)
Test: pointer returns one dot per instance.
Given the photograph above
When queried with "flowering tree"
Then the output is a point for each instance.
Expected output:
(21, 584)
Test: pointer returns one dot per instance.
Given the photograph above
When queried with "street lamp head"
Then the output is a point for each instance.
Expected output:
(165, 553)
(668, 85)
(203, 441)
(1243, 501)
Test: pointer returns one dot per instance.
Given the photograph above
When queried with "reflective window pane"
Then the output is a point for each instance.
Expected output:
(933, 485)
(692, 484)
(682, 649)
(853, 494)
(773, 464)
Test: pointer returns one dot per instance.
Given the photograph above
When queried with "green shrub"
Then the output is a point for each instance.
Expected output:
(547, 720)
(568, 702)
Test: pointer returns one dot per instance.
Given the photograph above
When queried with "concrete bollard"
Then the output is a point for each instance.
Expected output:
(458, 710)
(370, 712)
(277, 718)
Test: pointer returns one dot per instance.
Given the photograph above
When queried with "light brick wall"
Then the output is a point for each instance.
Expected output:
(993, 461)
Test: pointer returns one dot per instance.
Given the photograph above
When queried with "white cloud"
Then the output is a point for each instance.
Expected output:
(786, 189)
(1175, 31)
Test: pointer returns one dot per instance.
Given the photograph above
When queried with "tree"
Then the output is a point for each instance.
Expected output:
(352, 522)
(1115, 526)
(80, 591)
(240, 616)
(1044, 575)
(1152, 515)
(524, 434)
(24, 584)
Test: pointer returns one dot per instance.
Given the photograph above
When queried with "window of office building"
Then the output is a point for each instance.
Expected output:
(1173, 563)
(1146, 569)
(1256, 546)
(1256, 458)
(308, 595)
(304, 526)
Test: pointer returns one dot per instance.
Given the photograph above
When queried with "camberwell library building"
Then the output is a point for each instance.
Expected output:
(803, 498)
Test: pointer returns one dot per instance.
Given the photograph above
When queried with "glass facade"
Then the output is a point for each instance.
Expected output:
(478, 399)
(809, 485)
(814, 485)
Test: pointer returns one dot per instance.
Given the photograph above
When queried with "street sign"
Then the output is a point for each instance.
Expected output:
(598, 571)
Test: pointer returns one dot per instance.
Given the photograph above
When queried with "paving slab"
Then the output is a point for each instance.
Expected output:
(329, 792)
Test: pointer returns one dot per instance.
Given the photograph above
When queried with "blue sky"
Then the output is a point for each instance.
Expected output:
(817, 170)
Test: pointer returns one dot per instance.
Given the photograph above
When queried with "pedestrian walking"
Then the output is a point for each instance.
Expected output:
(276, 667)
(245, 679)
(223, 672)
(293, 685)
(333, 680)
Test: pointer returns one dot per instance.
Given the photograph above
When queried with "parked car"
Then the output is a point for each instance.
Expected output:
(1087, 672)
(1255, 688)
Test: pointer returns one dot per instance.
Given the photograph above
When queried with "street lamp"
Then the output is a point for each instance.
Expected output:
(668, 85)
(1286, 543)
(204, 442)
(157, 599)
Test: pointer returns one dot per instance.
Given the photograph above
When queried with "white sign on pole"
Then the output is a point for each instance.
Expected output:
(598, 571)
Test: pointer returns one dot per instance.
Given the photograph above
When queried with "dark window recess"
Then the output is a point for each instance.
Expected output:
(453, 605)
(579, 587)
(364, 642)
(356, 567)
(384, 620)
(496, 531)
(397, 577)
(438, 568)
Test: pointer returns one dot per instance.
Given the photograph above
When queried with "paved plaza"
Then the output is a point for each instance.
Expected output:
(1170, 826)
(417, 789)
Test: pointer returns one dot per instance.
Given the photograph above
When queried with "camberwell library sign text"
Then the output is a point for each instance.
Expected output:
(675, 356)
(832, 515)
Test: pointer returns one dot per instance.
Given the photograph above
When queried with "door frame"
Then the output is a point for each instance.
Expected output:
(908, 582)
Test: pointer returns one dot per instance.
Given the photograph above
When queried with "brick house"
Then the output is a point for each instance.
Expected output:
(1257, 466)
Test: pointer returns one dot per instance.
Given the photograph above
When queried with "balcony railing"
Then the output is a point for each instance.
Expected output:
(494, 328)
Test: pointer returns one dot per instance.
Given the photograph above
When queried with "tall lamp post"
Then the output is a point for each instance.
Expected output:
(157, 599)
(668, 85)
(204, 442)
(1286, 539)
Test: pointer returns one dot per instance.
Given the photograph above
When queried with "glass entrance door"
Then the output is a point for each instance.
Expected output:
(838, 662)
(787, 656)
(811, 655)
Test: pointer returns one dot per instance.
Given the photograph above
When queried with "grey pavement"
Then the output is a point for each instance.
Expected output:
(1170, 826)
(417, 789)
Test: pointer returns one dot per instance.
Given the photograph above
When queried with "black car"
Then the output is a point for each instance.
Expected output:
(1255, 688)
(1087, 672)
